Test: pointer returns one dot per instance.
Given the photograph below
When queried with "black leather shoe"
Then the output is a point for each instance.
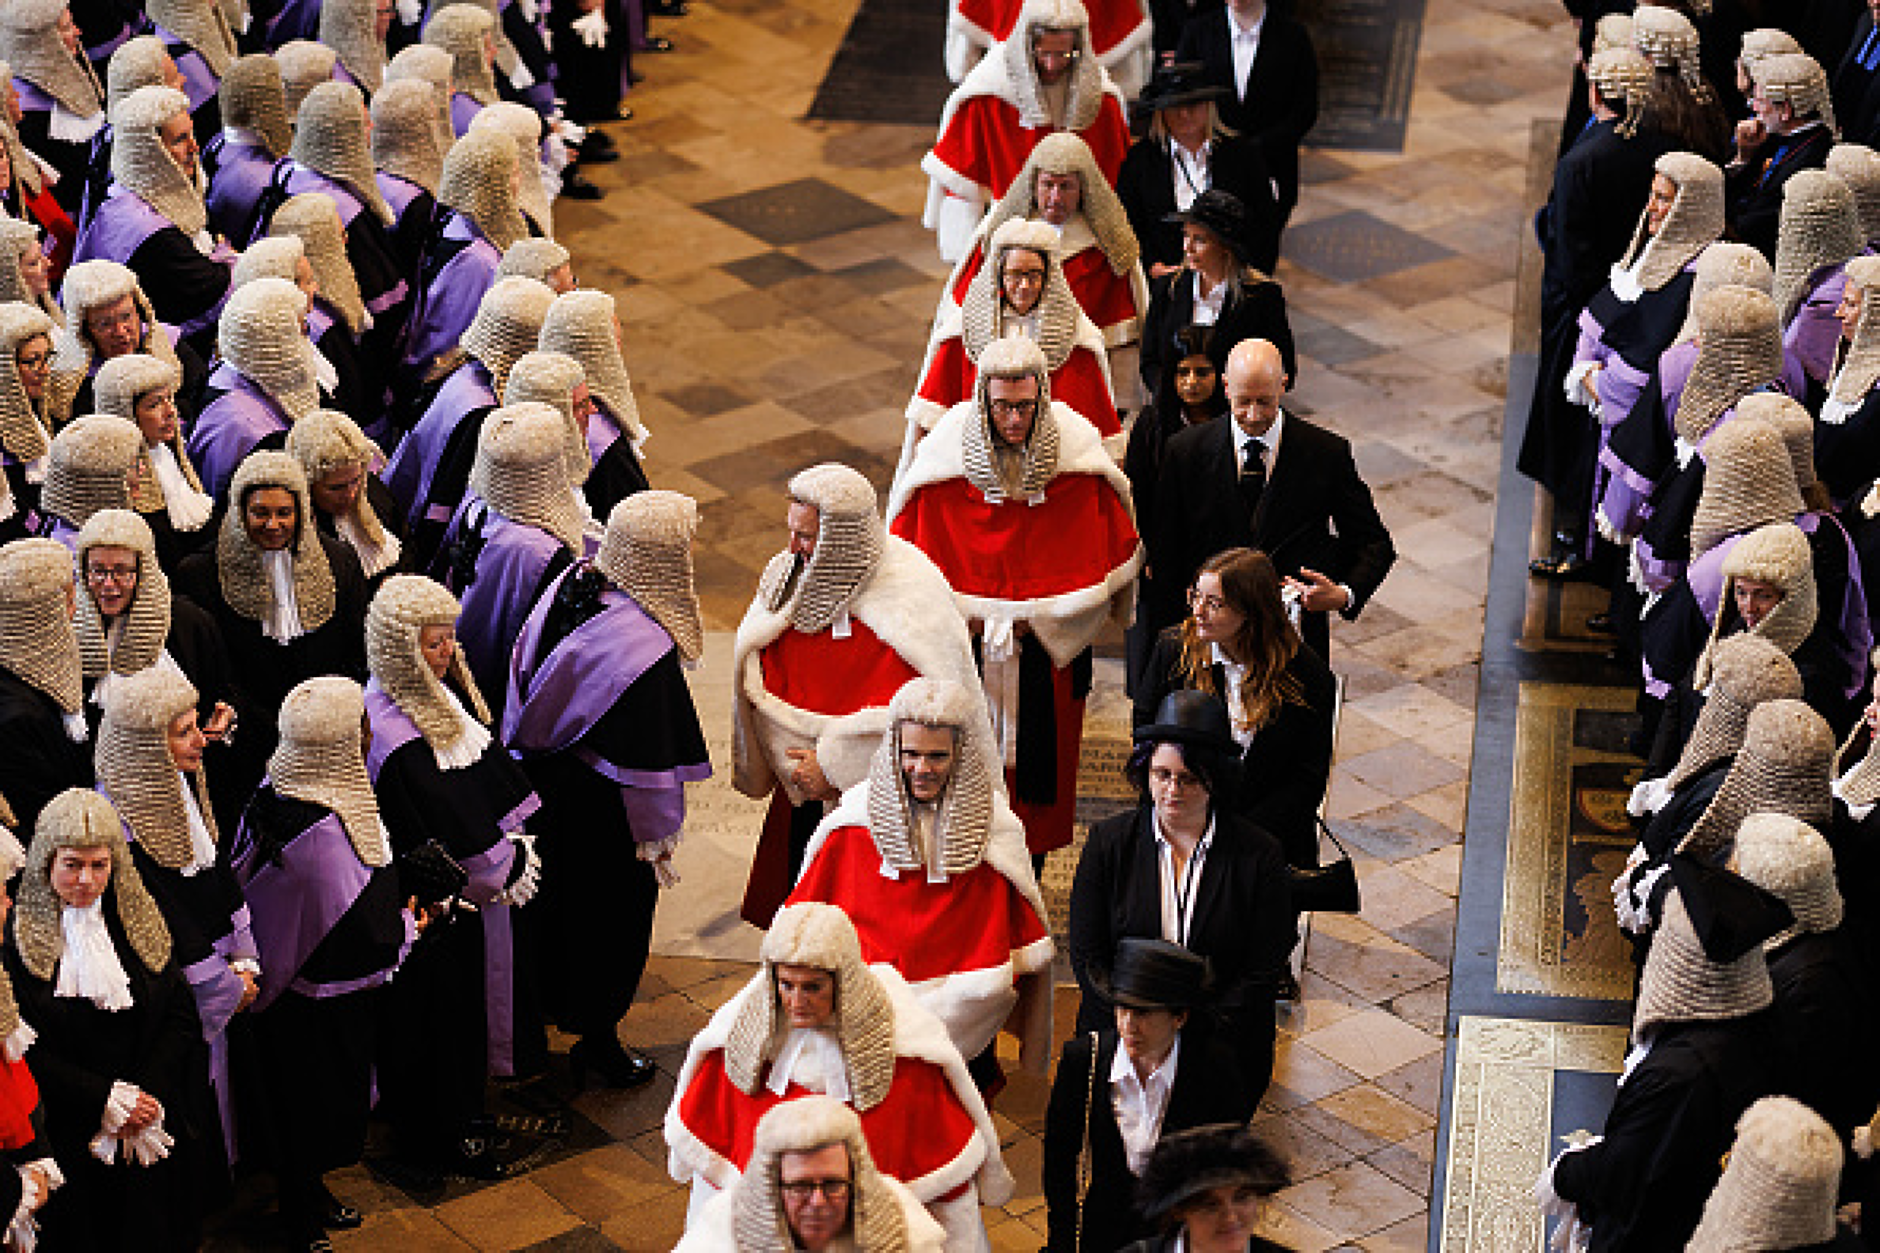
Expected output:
(336, 1215)
(1601, 624)
(599, 156)
(597, 141)
(612, 1065)
(576, 187)
(657, 43)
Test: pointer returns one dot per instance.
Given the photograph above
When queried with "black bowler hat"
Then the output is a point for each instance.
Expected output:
(1191, 718)
(1220, 212)
(1154, 974)
(1176, 84)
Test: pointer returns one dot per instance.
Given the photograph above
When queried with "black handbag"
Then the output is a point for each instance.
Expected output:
(1328, 889)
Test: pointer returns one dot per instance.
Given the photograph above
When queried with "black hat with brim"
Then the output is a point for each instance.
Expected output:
(1153, 974)
(1174, 85)
(1730, 915)
(1193, 719)
(1187, 1164)
(1222, 214)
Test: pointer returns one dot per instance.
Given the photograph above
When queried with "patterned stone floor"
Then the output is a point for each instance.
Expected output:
(776, 288)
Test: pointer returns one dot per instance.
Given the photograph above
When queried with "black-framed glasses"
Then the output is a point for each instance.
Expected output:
(803, 1189)
(1013, 408)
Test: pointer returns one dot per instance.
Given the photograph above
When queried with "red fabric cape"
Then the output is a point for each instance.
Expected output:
(1078, 383)
(920, 1127)
(1101, 292)
(974, 921)
(1111, 21)
(987, 144)
(1019, 551)
(19, 1097)
(835, 677)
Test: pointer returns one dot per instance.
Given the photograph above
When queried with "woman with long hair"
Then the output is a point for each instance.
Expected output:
(1239, 645)
(1217, 285)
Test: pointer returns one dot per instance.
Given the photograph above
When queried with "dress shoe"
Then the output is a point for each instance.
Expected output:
(612, 1065)
(657, 43)
(599, 156)
(576, 187)
(1601, 624)
(597, 141)
(668, 8)
(336, 1215)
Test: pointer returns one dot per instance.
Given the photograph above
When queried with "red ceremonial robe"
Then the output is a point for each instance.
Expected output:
(1110, 300)
(964, 944)
(1112, 22)
(1082, 382)
(830, 691)
(1063, 563)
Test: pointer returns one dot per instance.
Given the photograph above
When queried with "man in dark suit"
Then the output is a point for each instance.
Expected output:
(1265, 60)
(1122, 1089)
(1263, 479)
(1792, 130)
(1856, 82)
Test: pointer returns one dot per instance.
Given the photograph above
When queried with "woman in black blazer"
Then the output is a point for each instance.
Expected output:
(1184, 866)
(1184, 111)
(1282, 714)
(1215, 251)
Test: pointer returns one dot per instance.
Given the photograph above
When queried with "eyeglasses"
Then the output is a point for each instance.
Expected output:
(1013, 408)
(803, 1189)
(123, 576)
(1200, 603)
(1031, 278)
(1180, 780)
(33, 360)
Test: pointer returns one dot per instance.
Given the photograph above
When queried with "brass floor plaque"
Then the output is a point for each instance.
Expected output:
(1568, 837)
(1501, 1125)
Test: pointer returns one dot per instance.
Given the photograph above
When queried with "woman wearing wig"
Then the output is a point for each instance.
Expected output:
(1239, 646)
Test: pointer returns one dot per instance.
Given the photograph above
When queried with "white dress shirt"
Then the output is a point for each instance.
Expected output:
(1236, 675)
(1246, 46)
(1190, 171)
(1269, 442)
(1207, 310)
(1140, 1104)
(1180, 888)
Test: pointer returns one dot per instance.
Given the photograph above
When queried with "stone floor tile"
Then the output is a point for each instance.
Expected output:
(1371, 1042)
(1448, 804)
(415, 1230)
(656, 1224)
(1376, 1112)
(1301, 1075)
(1355, 1200)
(1292, 1230)
(1413, 711)
(506, 1215)
(1410, 1161)
(1441, 868)
(1396, 833)
(1306, 1150)
(1409, 1236)
(1420, 1083)
(1368, 962)
(1394, 899)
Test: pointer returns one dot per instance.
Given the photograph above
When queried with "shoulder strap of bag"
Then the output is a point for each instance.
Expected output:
(1084, 1160)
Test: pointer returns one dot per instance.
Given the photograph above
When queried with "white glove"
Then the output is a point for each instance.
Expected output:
(410, 12)
(522, 889)
(592, 27)
(1631, 898)
(1648, 798)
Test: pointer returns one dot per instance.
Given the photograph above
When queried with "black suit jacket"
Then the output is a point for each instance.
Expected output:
(1243, 921)
(1146, 186)
(1282, 98)
(1600, 187)
(1259, 312)
(1856, 90)
(1754, 202)
(1315, 513)
(1207, 1091)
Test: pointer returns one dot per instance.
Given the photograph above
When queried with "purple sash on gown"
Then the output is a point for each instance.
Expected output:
(408, 474)
(463, 107)
(242, 173)
(554, 701)
(1812, 337)
(509, 572)
(231, 426)
(449, 302)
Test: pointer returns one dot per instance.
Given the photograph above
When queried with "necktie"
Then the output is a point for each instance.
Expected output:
(1252, 480)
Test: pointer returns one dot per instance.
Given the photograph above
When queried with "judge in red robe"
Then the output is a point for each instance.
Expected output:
(1062, 186)
(1119, 37)
(815, 1019)
(1040, 79)
(928, 861)
(1013, 496)
(842, 618)
(1022, 292)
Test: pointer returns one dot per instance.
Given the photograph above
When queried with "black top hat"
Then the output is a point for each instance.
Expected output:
(1220, 212)
(1186, 1164)
(1153, 974)
(1176, 84)
(1193, 718)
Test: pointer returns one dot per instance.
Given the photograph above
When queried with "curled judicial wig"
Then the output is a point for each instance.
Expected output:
(31, 44)
(272, 256)
(1859, 167)
(89, 467)
(254, 99)
(507, 326)
(403, 607)
(426, 64)
(963, 825)
(550, 378)
(201, 25)
(1014, 357)
(821, 936)
(79, 818)
(534, 257)
(647, 553)
(138, 772)
(321, 760)
(1739, 351)
(304, 66)
(1820, 228)
(1789, 858)
(139, 62)
(262, 333)
(138, 641)
(478, 181)
(463, 30)
(801, 1126)
(1693, 223)
(523, 126)
(314, 220)
(22, 431)
(1724, 264)
(141, 163)
(350, 28)
(326, 441)
(984, 318)
(36, 639)
(521, 469)
(850, 540)
(330, 138)
(88, 287)
(1745, 671)
(1783, 767)
(1085, 94)
(245, 583)
(583, 324)
(405, 138)
(1061, 153)
(1683, 983)
(1780, 1185)
(1748, 482)
(1797, 80)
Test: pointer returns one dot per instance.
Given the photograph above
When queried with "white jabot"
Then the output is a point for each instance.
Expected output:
(469, 745)
(373, 557)
(90, 967)
(67, 127)
(1623, 280)
(283, 624)
(325, 373)
(187, 506)
(1140, 1104)
(201, 846)
(810, 1058)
